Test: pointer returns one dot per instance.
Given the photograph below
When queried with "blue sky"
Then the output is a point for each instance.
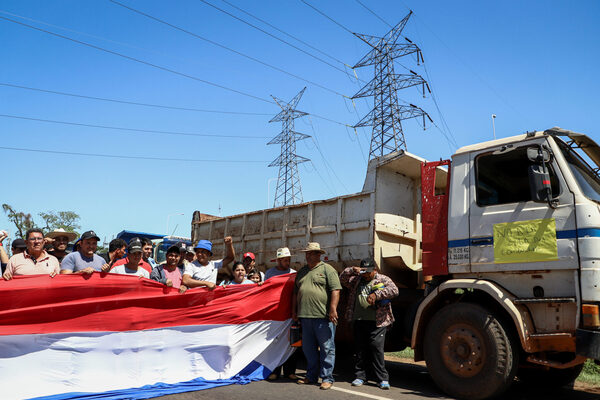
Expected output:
(533, 64)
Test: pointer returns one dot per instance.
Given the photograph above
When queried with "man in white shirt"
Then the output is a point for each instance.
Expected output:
(202, 272)
(134, 255)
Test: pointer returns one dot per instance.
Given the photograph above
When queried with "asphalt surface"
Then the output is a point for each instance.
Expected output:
(408, 380)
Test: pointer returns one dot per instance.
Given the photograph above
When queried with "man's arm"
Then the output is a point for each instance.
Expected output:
(335, 299)
(230, 251)
(8, 273)
(347, 274)
(155, 275)
(190, 282)
(389, 291)
(67, 266)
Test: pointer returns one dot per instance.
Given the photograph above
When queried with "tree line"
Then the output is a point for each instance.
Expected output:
(67, 220)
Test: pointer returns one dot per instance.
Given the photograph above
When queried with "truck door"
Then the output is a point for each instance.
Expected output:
(510, 232)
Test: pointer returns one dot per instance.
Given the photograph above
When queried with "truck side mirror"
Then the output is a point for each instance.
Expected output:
(539, 183)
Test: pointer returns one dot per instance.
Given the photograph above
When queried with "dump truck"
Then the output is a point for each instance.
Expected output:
(496, 253)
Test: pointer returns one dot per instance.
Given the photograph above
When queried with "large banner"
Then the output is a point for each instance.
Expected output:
(122, 337)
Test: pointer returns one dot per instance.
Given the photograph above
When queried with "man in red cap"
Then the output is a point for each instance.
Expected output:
(249, 261)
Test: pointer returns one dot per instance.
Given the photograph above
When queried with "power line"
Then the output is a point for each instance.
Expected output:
(129, 102)
(127, 157)
(271, 35)
(373, 12)
(156, 66)
(328, 17)
(226, 48)
(119, 128)
(285, 33)
(139, 61)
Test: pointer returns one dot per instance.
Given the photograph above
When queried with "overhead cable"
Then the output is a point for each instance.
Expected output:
(130, 157)
(157, 66)
(226, 48)
(285, 33)
(131, 102)
(140, 61)
(373, 12)
(119, 128)
(271, 35)
(328, 17)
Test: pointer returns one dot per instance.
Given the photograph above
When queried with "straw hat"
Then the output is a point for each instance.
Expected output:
(61, 232)
(283, 252)
(313, 246)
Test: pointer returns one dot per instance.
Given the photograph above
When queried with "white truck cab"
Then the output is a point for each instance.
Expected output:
(523, 260)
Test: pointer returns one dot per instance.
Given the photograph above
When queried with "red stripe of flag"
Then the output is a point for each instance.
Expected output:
(71, 303)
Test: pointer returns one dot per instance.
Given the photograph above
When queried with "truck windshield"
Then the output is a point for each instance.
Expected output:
(586, 176)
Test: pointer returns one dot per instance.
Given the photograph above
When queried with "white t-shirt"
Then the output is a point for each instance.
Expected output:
(121, 269)
(201, 272)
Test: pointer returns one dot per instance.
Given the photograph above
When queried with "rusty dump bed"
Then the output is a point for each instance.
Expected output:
(382, 221)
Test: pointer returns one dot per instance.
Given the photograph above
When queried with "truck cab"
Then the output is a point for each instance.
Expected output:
(518, 252)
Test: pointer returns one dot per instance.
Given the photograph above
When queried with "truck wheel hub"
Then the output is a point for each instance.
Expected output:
(462, 351)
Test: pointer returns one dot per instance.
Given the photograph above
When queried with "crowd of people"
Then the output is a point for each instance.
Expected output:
(314, 301)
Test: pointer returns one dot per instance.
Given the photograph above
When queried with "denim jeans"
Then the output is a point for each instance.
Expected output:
(318, 346)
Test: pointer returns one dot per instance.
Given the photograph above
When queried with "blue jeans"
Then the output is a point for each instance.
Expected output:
(318, 346)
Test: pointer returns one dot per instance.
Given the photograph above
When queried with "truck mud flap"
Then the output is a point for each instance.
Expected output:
(588, 343)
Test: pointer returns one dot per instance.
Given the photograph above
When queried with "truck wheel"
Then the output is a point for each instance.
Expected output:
(548, 378)
(468, 352)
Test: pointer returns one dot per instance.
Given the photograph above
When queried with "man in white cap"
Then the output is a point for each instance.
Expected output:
(314, 302)
(59, 238)
(284, 258)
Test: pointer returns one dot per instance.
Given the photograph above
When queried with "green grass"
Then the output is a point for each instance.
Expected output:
(406, 353)
(589, 375)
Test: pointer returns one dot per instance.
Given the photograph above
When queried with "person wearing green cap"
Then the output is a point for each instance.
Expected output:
(370, 311)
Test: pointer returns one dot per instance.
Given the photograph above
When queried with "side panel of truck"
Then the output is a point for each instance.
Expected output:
(382, 222)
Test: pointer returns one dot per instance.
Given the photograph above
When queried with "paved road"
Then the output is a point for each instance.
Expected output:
(409, 382)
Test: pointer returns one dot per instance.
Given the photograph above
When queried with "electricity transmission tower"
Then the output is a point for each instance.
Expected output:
(288, 182)
(387, 114)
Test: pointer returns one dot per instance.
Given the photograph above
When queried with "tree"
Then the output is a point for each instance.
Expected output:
(67, 220)
(22, 221)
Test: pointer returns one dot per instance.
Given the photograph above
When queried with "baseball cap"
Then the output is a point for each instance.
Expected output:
(18, 244)
(368, 265)
(135, 246)
(249, 254)
(283, 252)
(174, 249)
(89, 235)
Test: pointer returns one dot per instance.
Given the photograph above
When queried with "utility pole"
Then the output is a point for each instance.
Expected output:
(387, 114)
(288, 189)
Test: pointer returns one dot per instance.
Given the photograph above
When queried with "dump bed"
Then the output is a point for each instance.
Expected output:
(382, 222)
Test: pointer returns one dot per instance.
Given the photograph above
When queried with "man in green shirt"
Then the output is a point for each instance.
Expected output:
(315, 300)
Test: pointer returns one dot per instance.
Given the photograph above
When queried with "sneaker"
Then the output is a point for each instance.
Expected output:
(357, 382)
(385, 385)
(326, 385)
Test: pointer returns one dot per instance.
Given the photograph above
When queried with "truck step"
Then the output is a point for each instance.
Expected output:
(534, 300)
(550, 335)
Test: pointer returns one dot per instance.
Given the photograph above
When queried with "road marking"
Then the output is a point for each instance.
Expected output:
(370, 396)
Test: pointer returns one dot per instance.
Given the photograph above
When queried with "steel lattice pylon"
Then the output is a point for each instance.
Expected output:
(387, 114)
(288, 181)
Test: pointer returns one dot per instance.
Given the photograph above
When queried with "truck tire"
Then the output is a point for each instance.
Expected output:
(468, 352)
(549, 378)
